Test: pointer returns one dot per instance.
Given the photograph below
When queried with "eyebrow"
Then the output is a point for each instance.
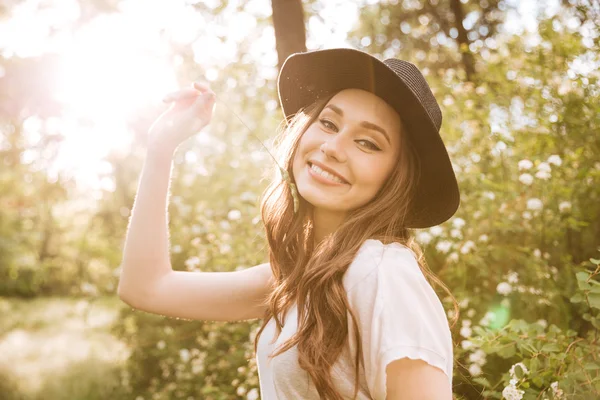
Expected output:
(365, 124)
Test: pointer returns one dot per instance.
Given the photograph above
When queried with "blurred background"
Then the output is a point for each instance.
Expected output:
(81, 82)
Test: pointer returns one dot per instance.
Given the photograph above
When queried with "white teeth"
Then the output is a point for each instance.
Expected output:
(325, 174)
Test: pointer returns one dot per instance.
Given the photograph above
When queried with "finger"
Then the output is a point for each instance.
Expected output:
(201, 86)
(180, 95)
(204, 102)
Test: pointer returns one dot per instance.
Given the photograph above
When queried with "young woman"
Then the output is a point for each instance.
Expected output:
(347, 306)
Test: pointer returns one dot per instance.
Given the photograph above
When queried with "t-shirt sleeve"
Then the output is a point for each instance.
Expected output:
(399, 315)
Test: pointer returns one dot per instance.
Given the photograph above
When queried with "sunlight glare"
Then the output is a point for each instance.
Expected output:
(106, 76)
(109, 73)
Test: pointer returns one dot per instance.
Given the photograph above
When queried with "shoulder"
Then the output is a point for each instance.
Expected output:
(375, 258)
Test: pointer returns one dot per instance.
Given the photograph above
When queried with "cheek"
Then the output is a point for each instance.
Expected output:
(375, 174)
(306, 145)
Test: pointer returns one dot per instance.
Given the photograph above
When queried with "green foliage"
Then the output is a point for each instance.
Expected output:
(546, 354)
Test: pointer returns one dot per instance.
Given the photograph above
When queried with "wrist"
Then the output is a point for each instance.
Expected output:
(160, 152)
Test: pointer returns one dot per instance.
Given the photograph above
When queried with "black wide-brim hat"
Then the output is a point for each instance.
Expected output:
(307, 77)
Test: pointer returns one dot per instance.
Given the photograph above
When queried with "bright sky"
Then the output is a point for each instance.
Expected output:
(117, 64)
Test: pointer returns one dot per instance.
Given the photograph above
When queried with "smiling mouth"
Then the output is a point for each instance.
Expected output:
(320, 173)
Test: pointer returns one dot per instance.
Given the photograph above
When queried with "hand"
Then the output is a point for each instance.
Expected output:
(190, 110)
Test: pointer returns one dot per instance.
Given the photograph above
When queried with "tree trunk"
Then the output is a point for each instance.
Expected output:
(290, 32)
(463, 39)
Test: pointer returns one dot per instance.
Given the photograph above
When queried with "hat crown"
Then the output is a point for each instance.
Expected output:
(415, 81)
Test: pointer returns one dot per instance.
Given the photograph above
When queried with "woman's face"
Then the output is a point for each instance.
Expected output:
(346, 155)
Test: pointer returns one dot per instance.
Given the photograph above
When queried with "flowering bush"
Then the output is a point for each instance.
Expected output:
(524, 143)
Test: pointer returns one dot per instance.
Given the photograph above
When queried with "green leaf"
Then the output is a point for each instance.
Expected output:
(595, 287)
(550, 347)
(534, 364)
(595, 261)
(519, 372)
(582, 282)
(507, 351)
(577, 298)
(518, 325)
(591, 366)
(528, 346)
(594, 299)
(582, 276)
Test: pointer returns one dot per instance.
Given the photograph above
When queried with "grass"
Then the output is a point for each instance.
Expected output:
(59, 348)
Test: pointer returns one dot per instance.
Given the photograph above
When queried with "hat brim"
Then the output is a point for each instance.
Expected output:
(307, 77)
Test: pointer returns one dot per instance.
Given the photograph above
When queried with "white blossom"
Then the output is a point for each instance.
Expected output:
(537, 253)
(544, 166)
(467, 247)
(443, 246)
(252, 394)
(487, 318)
(526, 179)
(161, 344)
(478, 357)
(483, 238)
(192, 262)
(247, 196)
(555, 159)
(458, 222)
(499, 148)
(525, 164)
(471, 313)
(466, 322)
(424, 237)
(534, 204)
(513, 277)
(489, 195)
(542, 322)
(564, 206)
(504, 288)
(556, 391)
(526, 215)
(464, 303)
(234, 215)
(456, 233)
(436, 230)
(466, 332)
(466, 344)
(453, 257)
(184, 355)
(176, 249)
(474, 370)
(512, 393)
(544, 175)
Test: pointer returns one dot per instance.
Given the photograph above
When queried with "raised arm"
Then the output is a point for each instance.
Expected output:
(147, 280)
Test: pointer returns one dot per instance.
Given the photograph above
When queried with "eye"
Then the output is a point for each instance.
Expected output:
(368, 144)
(328, 124)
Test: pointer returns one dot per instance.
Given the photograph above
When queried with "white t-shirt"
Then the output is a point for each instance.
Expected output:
(399, 315)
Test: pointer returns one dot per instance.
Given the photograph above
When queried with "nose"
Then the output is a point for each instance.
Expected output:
(333, 147)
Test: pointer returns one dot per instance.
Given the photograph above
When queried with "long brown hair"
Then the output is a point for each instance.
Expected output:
(311, 276)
